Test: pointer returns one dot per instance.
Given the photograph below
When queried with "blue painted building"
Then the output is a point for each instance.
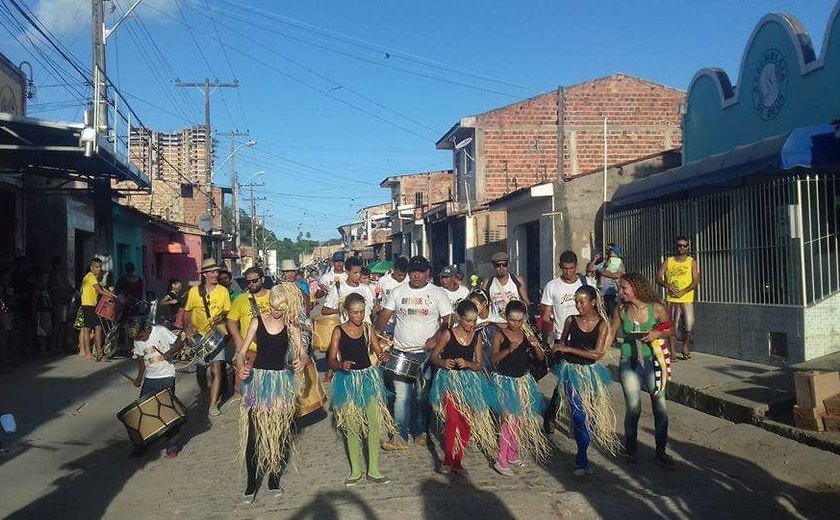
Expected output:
(759, 196)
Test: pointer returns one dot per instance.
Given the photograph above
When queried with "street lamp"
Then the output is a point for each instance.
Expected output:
(249, 144)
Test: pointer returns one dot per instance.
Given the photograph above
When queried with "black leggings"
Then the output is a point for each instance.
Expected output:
(251, 464)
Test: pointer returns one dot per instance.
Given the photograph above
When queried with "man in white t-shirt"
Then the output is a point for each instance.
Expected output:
(398, 276)
(336, 274)
(420, 308)
(153, 349)
(504, 287)
(558, 300)
(340, 291)
(451, 286)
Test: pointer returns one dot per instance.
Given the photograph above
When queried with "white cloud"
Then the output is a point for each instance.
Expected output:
(62, 17)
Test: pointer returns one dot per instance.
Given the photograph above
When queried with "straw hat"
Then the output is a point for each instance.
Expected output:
(209, 264)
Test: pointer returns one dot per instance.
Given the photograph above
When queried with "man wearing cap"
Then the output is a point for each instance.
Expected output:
(610, 269)
(504, 287)
(336, 275)
(245, 307)
(207, 306)
(420, 308)
(451, 285)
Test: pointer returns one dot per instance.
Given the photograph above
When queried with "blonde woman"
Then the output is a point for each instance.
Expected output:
(269, 388)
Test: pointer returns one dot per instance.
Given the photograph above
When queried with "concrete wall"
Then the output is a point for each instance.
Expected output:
(741, 331)
(822, 330)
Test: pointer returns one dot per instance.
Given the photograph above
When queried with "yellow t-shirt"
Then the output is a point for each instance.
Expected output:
(219, 303)
(89, 283)
(679, 274)
(242, 312)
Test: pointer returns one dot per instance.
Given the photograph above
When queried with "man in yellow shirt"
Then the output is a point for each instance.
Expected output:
(207, 306)
(680, 276)
(246, 307)
(91, 291)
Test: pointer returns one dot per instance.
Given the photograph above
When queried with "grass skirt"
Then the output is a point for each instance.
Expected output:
(268, 405)
(521, 404)
(473, 397)
(591, 384)
(353, 392)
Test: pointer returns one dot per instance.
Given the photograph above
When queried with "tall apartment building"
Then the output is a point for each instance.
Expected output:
(175, 164)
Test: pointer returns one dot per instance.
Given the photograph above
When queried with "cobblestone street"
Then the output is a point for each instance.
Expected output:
(70, 460)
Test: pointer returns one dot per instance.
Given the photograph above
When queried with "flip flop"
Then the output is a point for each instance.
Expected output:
(685, 356)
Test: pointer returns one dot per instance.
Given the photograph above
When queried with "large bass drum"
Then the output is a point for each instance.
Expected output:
(312, 396)
(150, 418)
(322, 330)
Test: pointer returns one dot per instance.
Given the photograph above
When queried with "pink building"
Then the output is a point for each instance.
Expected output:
(170, 251)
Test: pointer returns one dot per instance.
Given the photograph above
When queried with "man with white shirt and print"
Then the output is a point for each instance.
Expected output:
(504, 287)
(558, 303)
(420, 307)
(340, 291)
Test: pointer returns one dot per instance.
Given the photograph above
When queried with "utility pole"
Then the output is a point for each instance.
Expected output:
(208, 88)
(234, 187)
(263, 240)
(102, 211)
(100, 84)
(253, 213)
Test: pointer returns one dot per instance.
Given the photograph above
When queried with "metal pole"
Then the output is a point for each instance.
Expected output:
(604, 207)
(234, 186)
(208, 146)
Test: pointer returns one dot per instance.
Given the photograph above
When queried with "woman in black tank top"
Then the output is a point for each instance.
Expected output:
(520, 402)
(459, 391)
(582, 383)
(359, 394)
(269, 388)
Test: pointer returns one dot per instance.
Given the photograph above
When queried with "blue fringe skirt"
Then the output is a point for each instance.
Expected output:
(354, 392)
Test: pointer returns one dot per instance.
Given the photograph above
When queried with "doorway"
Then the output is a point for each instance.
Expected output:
(532, 259)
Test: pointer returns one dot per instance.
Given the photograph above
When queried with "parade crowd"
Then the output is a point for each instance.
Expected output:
(406, 359)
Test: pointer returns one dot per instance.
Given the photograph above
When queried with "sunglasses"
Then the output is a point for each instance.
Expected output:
(682, 245)
(252, 281)
(501, 264)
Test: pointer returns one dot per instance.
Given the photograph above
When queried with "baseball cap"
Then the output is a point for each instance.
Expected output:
(338, 256)
(418, 263)
(449, 270)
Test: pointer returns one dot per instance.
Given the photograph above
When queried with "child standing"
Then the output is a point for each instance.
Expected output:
(519, 400)
(459, 393)
(359, 394)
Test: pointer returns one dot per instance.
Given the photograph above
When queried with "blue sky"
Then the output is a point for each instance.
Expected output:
(339, 95)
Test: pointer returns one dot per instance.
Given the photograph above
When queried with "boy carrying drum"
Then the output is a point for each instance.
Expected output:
(153, 349)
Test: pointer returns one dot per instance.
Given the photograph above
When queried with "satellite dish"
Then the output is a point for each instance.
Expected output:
(463, 143)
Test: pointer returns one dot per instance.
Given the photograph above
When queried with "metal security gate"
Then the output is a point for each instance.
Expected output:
(774, 243)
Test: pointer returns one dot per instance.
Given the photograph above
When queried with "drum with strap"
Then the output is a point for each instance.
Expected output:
(146, 420)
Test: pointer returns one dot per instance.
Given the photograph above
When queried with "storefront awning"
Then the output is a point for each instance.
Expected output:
(806, 147)
(44, 146)
(172, 248)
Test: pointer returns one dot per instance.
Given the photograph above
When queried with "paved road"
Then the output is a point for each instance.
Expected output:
(70, 460)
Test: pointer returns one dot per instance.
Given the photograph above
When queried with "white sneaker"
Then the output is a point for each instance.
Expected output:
(502, 471)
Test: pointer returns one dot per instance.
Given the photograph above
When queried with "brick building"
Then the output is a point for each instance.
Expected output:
(552, 137)
(413, 195)
(176, 167)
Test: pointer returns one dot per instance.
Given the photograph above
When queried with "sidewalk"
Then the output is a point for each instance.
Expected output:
(744, 392)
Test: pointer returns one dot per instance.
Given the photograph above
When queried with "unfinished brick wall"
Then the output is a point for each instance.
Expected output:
(518, 143)
(437, 184)
(643, 119)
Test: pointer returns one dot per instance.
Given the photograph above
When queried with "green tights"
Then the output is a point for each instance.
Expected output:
(354, 445)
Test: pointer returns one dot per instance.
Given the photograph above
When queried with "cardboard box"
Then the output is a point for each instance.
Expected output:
(832, 423)
(832, 405)
(808, 418)
(812, 388)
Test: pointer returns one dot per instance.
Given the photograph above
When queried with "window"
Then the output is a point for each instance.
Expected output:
(186, 191)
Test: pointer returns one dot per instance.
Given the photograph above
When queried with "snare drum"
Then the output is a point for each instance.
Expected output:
(312, 395)
(399, 363)
(206, 347)
(322, 330)
(147, 420)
